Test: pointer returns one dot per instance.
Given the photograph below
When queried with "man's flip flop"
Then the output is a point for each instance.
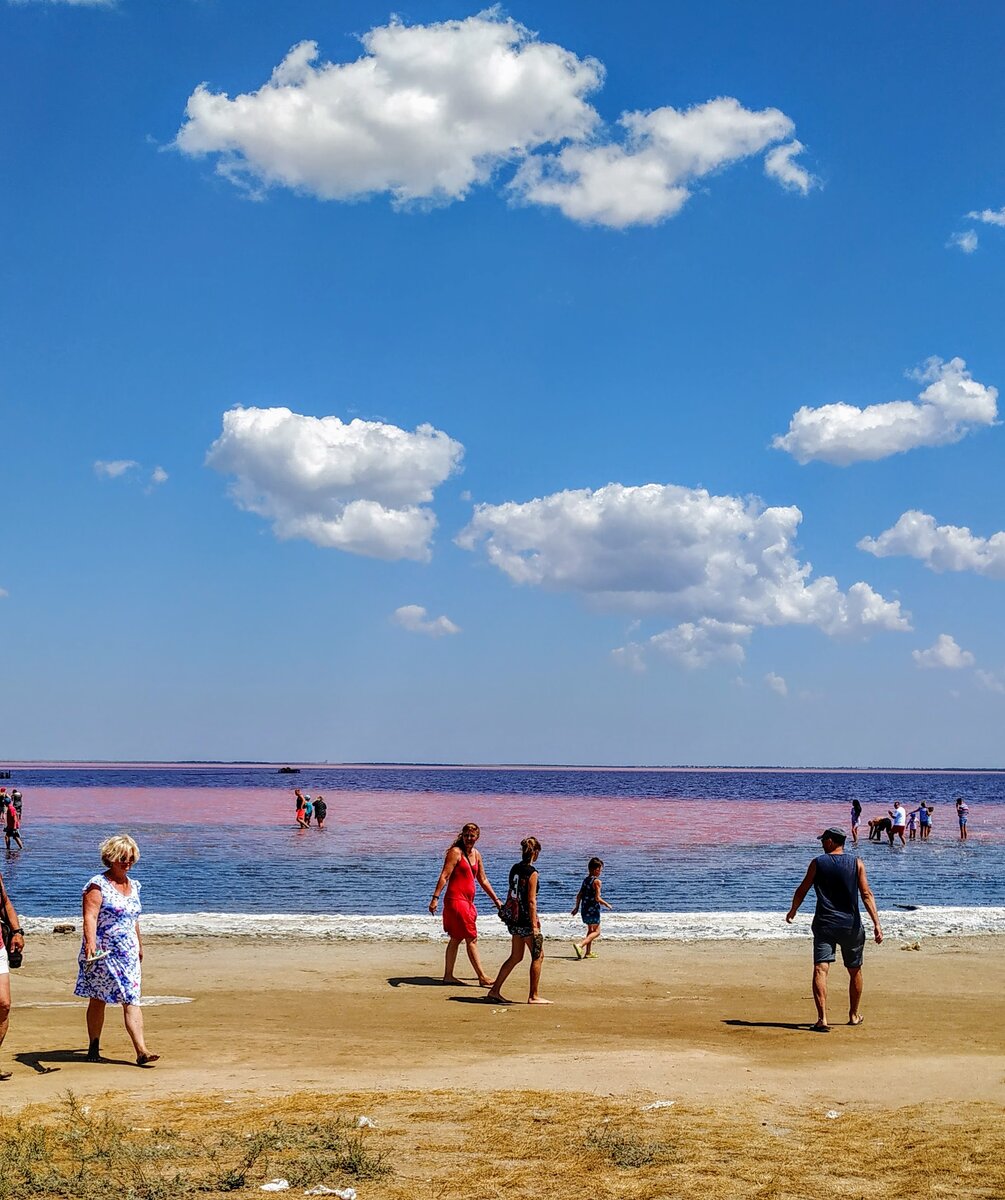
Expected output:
(856, 1020)
(146, 1060)
(818, 1028)
(5, 1075)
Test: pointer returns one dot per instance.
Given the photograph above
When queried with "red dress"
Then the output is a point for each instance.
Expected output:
(459, 912)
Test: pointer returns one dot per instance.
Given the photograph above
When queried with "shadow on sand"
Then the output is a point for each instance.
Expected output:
(38, 1059)
(803, 1025)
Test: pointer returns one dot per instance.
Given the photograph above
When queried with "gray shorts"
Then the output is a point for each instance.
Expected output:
(851, 941)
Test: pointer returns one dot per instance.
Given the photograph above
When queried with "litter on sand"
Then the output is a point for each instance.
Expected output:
(364, 1123)
(275, 1185)
(657, 1104)
(342, 1193)
(912, 946)
(832, 1114)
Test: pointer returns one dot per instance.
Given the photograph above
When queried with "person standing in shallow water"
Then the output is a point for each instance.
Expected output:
(320, 811)
(838, 879)
(462, 867)
(526, 930)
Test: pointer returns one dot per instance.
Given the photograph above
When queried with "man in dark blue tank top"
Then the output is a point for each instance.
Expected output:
(838, 880)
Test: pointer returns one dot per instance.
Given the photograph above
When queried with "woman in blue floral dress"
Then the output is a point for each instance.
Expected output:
(112, 949)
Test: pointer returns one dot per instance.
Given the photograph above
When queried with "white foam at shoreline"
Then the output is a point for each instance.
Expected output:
(627, 927)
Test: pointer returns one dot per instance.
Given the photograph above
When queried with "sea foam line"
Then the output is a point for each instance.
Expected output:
(626, 927)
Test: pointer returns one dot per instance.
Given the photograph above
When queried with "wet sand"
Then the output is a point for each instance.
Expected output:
(691, 1022)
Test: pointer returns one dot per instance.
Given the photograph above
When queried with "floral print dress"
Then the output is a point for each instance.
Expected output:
(115, 978)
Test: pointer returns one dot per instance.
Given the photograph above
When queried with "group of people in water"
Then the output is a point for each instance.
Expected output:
(308, 808)
(10, 816)
(463, 869)
(908, 826)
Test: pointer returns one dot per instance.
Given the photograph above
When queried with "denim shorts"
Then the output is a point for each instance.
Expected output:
(851, 941)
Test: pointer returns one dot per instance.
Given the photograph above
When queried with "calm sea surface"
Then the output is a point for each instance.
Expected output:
(223, 839)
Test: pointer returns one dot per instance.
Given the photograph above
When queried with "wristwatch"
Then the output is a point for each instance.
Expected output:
(15, 932)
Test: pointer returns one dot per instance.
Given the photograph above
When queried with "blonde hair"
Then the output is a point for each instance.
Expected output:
(120, 848)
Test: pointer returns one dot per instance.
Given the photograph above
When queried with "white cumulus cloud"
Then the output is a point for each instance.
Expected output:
(158, 476)
(776, 683)
(114, 468)
(362, 487)
(691, 644)
(950, 407)
(721, 565)
(644, 178)
(779, 164)
(966, 241)
(944, 653)
(415, 619)
(989, 216)
(428, 112)
(939, 547)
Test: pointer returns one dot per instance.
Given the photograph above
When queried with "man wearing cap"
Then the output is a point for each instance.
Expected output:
(838, 880)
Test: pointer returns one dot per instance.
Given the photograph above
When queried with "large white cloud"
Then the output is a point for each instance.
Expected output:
(944, 653)
(721, 565)
(939, 547)
(426, 113)
(360, 487)
(951, 406)
(645, 178)
(430, 111)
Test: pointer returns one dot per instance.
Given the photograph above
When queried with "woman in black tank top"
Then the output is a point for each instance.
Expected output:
(526, 930)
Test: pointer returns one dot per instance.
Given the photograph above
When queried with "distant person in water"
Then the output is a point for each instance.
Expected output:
(856, 818)
(15, 799)
(589, 903)
(839, 880)
(298, 798)
(878, 826)
(308, 809)
(526, 929)
(912, 825)
(320, 811)
(898, 818)
(302, 814)
(12, 827)
(462, 868)
(962, 813)
(925, 820)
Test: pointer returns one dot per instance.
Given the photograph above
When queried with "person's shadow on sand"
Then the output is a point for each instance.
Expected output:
(805, 1025)
(37, 1059)
(420, 981)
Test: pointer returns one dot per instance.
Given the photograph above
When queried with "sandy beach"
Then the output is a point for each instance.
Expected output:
(690, 1021)
(720, 1029)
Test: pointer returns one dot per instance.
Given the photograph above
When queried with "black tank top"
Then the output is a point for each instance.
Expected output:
(836, 886)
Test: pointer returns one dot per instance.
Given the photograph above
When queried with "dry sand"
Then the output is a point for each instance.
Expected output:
(475, 1102)
(688, 1022)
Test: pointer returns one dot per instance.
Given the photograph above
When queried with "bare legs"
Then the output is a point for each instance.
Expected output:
(133, 1017)
(450, 961)
(854, 995)
(592, 933)
(4, 1014)
(515, 958)
(855, 986)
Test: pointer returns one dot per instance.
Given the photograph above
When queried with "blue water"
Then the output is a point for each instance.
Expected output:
(221, 838)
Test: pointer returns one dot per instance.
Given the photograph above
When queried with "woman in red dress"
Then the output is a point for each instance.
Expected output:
(462, 867)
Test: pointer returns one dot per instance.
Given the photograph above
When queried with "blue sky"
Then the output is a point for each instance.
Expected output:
(568, 345)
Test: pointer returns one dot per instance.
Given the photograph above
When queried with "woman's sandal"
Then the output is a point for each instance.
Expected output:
(146, 1060)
